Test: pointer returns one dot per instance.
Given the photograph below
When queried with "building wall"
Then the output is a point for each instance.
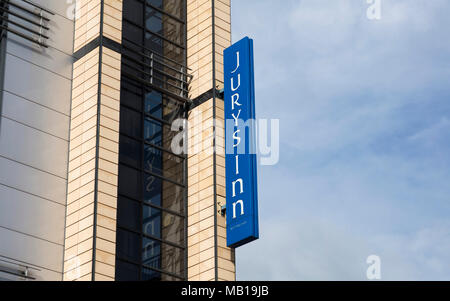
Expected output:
(90, 235)
(209, 33)
(59, 137)
(34, 135)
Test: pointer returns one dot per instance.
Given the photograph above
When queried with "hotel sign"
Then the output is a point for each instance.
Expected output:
(240, 157)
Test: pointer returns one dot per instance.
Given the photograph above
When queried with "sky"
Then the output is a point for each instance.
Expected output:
(364, 110)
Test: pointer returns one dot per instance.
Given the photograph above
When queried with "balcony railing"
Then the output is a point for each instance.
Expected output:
(25, 19)
(10, 268)
(151, 68)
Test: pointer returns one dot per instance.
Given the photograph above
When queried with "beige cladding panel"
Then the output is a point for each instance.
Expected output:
(201, 215)
(112, 20)
(200, 42)
(203, 222)
(87, 22)
(94, 126)
(88, 18)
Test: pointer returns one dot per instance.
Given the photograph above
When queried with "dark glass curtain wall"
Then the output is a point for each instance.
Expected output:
(151, 231)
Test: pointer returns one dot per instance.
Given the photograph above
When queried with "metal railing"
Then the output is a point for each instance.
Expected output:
(9, 267)
(155, 69)
(26, 20)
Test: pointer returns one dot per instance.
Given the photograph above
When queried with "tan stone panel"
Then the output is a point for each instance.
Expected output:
(226, 265)
(206, 213)
(193, 219)
(83, 270)
(109, 123)
(193, 260)
(85, 246)
(109, 145)
(206, 223)
(108, 155)
(206, 244)
(116, 4)
(109, 60)
(107, 177)
(105, 257)
(86, 234)
(205, 203)
(100, 277)
(111, 82)
(227, 275)
(193, 271)
(207, 265)
(194, 229)
(104, 269)
(206, 193)
(106, 222)
(207, 276)
(192, 250)
(206, 254)
(106, 211)
(107, 200)
(106, 234)
(106, 246)
(73, 263)
(224, 253)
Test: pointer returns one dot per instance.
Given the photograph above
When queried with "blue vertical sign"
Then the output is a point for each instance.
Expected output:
(240, 159)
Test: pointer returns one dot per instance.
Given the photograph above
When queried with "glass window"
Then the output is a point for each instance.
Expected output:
(154, 104)
(130, 122)
(152, 190)
(173, 196)
(172, 228)
(150, 237)
(153, 21)
(153, 160)
(130, 151)
(126, 271)
(129, 182)
(164, 164)
(151, 253)
(173, 7)
(132, 32)
(128, 245)
(153, 131)
(128, 213)
(131, 96)
(151, 219)
(172, 110)
(163, 225)
(172, 259)
(150, 275)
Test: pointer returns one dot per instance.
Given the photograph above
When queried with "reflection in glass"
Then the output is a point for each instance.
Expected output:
(153, 132)
(151, 222)
(150, 275)
(152, 54)
(151, 253)
(152, 190)
(153, 160)
(153, 104)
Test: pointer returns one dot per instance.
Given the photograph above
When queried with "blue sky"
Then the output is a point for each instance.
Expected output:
(364, 109)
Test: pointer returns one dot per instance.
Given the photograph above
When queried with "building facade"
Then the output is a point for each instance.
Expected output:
(112, 140)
